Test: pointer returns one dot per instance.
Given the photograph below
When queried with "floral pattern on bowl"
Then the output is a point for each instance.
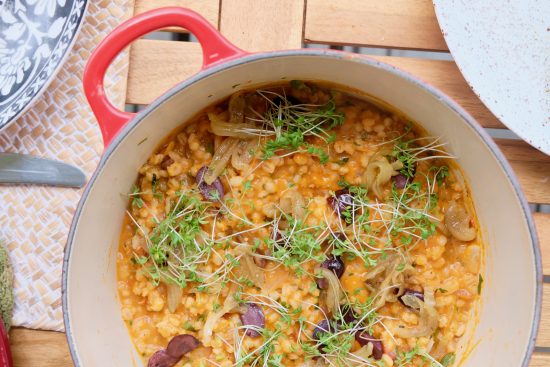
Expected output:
(35, 37)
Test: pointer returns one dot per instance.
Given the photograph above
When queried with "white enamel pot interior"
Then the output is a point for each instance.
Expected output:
(510, 306)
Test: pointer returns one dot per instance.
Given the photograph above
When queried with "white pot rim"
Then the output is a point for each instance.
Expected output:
(314, 53)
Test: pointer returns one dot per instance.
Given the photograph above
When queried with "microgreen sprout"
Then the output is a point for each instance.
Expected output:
(298, 243)
(291, 124)
(412, 151)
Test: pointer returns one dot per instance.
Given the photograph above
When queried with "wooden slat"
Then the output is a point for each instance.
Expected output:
(209, 9)
(445, 76)
(36, 348)
(151, 61)
(408, 24)
(540, 360)
(532, 168)
(543, 339)
(542, 222)
(263, 25)
(156, 66)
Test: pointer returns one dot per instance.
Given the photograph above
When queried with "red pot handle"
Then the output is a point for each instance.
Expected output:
(215, 48)
(5, 354)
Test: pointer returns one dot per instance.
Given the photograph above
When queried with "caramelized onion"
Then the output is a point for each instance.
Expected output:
(361, 356)
(388, 279)
(250, 270)
(213, 317)
(243, 154)
(237, 106)
(236, 126)
(365, 339)
(410, 297)
(173, 296)
(293, 203)
(333, 293)
(223, 128)
(457, 221)
(220, 159)
(428, 319)
(380, 171)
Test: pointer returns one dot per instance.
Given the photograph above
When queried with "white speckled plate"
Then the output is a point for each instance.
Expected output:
(503, 50)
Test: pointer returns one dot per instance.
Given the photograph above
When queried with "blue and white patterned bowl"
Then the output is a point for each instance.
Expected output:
(35, 37)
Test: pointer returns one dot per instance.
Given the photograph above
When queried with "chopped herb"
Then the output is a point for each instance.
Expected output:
(442, 174)
(343, 183)
(403, 151)
(479, 284)
(137, 201)
(210, 147)
(448, 359)
(188, 326)
(154, 187)
(247, 186)
(319, 152)
(406, 240)
(405, 358)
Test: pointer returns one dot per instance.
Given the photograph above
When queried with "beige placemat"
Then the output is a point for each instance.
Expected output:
(34, 221)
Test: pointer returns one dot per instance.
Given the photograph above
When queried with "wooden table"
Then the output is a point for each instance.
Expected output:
(260, 25)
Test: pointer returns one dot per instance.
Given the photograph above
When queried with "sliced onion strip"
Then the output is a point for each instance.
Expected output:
(237, 106)
(220, 159)
(213, 317)
(361, 356)
(223, 128)
(293, 203)
(428, 320)
(243, 155)
(333, 293)
(457, 221)
(173, 296)
(380, 171)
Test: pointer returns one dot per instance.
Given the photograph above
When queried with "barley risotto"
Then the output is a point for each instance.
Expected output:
(300, 225)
